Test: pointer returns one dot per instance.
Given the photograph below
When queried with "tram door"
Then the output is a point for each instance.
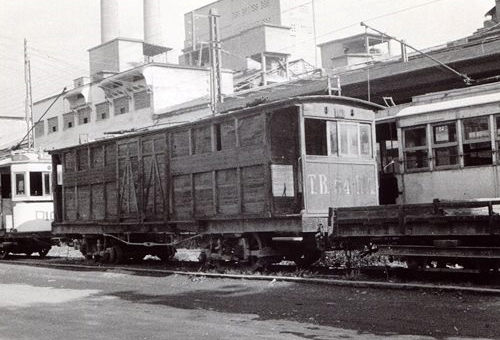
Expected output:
(284, 144)
(388, 164)
(5, 202)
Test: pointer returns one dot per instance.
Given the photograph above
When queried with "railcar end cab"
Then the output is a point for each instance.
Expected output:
(338, 158)
(26, 192)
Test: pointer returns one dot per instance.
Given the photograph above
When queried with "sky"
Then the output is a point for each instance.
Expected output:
(59, 33)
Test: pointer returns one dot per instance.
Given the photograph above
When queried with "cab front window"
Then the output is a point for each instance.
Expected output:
(336, 138)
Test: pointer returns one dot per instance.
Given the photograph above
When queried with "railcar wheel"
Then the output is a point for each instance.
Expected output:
(4, 253)
(43, 251)
(116, 256)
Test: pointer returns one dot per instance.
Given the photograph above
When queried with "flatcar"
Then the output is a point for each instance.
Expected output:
(257, 181)
(439, 169)
(26, 203)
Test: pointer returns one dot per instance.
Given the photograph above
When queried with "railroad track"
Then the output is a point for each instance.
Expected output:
(376, 277)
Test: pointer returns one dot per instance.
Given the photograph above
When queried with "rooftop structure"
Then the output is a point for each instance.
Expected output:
(255, 34)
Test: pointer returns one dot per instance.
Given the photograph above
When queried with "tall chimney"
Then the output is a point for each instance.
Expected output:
(110, 23)
(152, 22)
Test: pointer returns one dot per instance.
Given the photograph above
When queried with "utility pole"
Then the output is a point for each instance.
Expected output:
(314, 33)
(29, 99)
(215, 60)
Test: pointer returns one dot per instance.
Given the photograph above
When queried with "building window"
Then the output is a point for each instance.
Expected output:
(102, 111)
(121, 105)
(445, 144)
(53, 124)
(40, 129)
(415, 148)
(68, 120)
(477, 144)
(142, 100)
(83, 116)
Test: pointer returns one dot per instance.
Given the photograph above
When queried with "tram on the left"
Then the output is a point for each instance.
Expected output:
(26, 207)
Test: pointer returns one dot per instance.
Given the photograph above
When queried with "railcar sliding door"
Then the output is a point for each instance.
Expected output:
(284, 144)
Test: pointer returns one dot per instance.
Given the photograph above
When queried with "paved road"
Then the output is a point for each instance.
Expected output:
(41, 303)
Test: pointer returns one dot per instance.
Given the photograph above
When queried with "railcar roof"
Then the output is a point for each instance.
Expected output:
(449, 104)
(250, 109)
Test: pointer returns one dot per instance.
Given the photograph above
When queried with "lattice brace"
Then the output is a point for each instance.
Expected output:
(154, 186)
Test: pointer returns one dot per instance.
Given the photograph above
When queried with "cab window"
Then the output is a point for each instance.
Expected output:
(333, 138)
(20, 184)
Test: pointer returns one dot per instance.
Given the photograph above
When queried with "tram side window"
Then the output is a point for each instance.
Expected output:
(476, 144)
(415, 148)
(445, 144)
(20, 190)
(316, 143)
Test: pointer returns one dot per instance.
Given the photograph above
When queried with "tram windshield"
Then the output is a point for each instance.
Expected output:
(336, 138)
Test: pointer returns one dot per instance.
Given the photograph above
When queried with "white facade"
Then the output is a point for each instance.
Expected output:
(125, 101)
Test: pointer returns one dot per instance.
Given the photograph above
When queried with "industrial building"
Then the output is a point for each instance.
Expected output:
(255, 34)
(129, 82)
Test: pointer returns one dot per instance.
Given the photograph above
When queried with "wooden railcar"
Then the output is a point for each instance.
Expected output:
(259, 180)
(26, 209)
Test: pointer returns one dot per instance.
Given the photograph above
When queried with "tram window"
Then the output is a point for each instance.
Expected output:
(477, 145)
(349, 139)
(446, 156)
(476, 128)
(46, 184)
(415, 137)
(445, 144)
(36, 184)
(366, 139)
(334, 144)
(445, 133)
(477, 154)
(416, 159)
(415, 151)
(20, 190)
(315, 131)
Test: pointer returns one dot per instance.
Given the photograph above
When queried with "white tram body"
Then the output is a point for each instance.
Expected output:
(25, 185)
(444, 146)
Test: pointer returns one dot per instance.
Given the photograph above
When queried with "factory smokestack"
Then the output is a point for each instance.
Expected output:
(110, 23)
(152, 23)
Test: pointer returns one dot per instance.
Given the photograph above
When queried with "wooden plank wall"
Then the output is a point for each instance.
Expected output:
(217, 170)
